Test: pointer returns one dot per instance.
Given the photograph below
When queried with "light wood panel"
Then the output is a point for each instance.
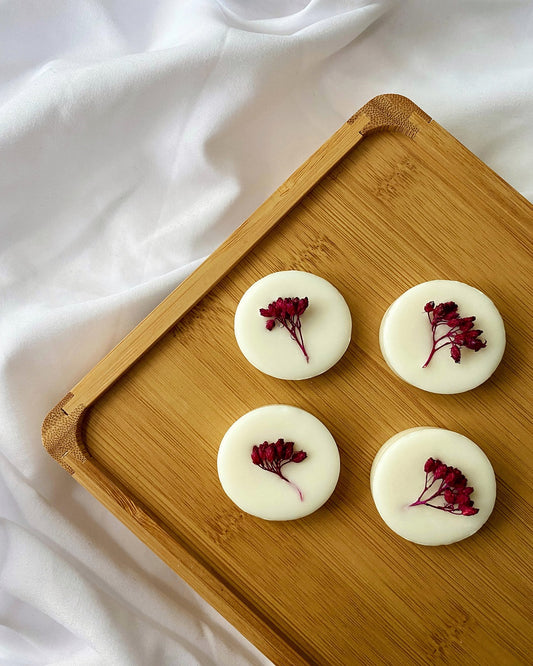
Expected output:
(374, 213)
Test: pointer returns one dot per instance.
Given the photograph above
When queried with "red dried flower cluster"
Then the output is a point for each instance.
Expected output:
(273, 456)
(287, 311)
(461, 331)
(451, 486)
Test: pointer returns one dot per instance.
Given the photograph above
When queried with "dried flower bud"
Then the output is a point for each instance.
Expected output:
(450, 476)
(440, 471)
(449, 496)
(289, 307)
(445, 310)
(455, 353)
(270, 453)
(475, 343)
(460, 482)
(463, 499)
(430, 465)
(289, 448)
(469, 511)
(270, 324)
(429, 307)
(256, 458)
(466, 323)
(303, 304)
(280, 448)
(299, 456)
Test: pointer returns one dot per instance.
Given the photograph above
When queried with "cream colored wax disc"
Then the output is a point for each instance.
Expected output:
(405, 338)
(306, 485)
(397, 479)
(326, 326)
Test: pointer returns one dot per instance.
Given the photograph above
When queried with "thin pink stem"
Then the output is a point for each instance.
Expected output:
(294, 330)
(434, 347)
(291, 483)
(275, 468)
(420, 501)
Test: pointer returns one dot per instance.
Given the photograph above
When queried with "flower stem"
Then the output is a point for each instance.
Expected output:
(295, 331)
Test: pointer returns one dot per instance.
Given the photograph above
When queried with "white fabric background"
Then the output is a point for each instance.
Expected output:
(134, 137)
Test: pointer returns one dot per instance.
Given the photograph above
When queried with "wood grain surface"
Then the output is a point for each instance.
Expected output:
(389, 201)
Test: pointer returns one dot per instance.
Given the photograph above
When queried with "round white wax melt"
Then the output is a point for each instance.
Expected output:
(406, 338)
(397, 479)
(306, 485)
(326, 326)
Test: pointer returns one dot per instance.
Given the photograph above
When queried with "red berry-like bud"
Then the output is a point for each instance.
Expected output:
(455, 353)
(270, 453)
(469, 511)
(476, 345)
(256, 458)
(280, 449)
(430, 465)
(449, 309)
(440, 471)
(270, 324)
(290, 307)
(460, 481)
(299, 456)
(463, 500)
(428, 307)
(303, 304)
(450, 477)
(449, 496)
(289, 448)
(466, 324)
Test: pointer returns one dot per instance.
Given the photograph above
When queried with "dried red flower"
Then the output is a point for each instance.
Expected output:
(461, 331)
(452, 488)
(287, 311)
(273, 456)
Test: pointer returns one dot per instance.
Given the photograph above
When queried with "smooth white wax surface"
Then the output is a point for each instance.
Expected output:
(326, 326)
(397, 478)
(405, 338)
(265, 494)
(135, 137)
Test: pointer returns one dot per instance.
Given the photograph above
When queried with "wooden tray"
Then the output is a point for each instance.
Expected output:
(390, 200)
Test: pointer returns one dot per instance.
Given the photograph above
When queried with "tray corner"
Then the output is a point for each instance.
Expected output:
(391, 112)
(61, 433)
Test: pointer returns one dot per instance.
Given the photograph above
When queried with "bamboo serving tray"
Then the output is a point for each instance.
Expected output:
(390, 200)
